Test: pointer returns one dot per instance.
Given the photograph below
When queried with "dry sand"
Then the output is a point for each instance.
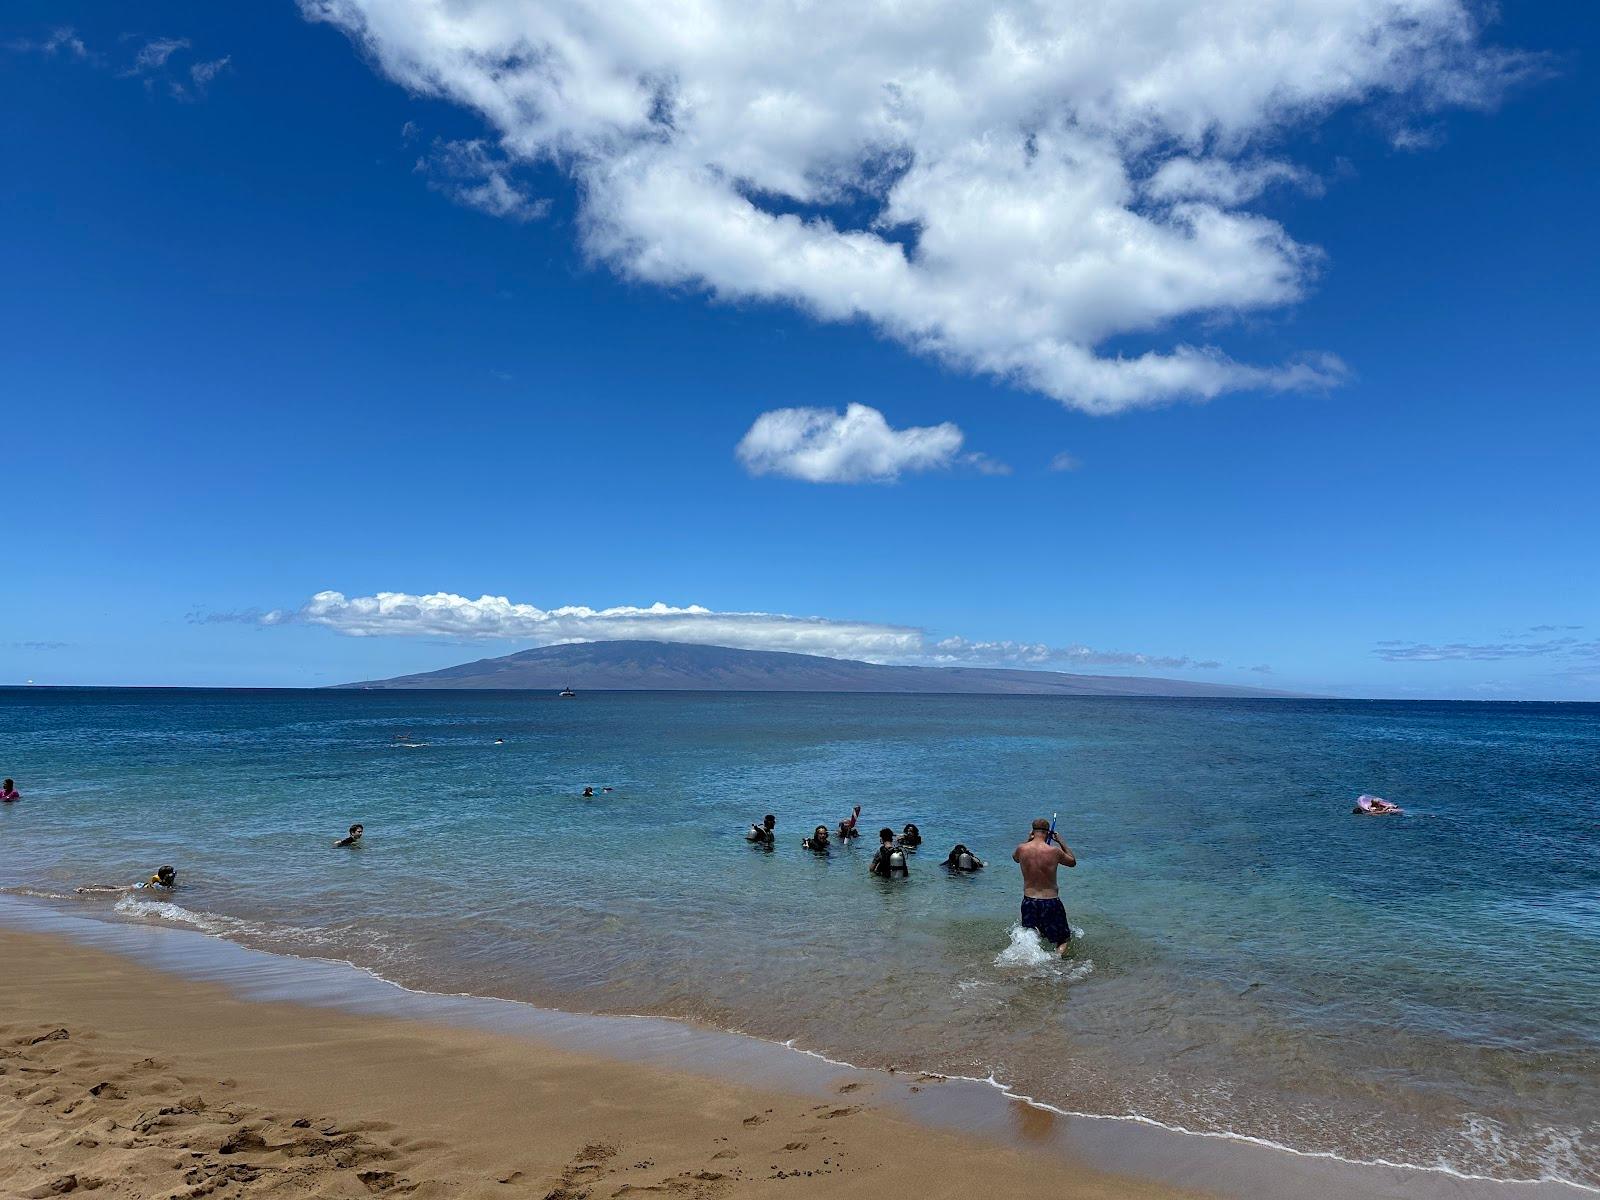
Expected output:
(116, 1080)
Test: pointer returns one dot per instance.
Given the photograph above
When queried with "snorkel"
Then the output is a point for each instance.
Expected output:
(1051, 836)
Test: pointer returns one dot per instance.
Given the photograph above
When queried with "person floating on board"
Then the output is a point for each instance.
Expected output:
(889, 860)
(847, 827)
(762, 832)
(962, 859)
(353, 838)
(910, 837)
(165, 878)
(818, 841)
(1374, 806)
(1042, 910)
(9, 793)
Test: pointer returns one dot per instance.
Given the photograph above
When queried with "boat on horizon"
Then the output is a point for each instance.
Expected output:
(567, 693)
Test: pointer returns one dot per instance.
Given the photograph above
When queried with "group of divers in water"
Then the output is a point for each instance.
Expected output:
(1038, 858)
(889, 861)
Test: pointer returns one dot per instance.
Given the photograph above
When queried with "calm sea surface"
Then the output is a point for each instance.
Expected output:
(1422, 989)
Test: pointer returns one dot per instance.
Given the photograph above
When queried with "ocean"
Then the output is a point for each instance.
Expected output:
(1250, 959)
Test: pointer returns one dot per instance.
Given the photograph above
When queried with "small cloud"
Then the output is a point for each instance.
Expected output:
(153, 55)
(470, 174)
(1065, 462)
(40, 645)
(502, 376)
(984, 465)
(1560, 648)
(820, 445)
(409, 131)
(244, 616)
(1553, 628)
(1262, 669)
(204, 72)
(1413, 138)
(63, 41)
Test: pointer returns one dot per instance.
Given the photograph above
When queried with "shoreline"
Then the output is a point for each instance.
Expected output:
(1143, 1156)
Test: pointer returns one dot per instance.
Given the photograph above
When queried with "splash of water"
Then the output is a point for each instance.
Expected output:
(1027, 952)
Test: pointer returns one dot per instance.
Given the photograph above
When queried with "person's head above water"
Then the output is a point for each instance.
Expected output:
(166, 877)
(820, 833)
(886, 834)
(769, 822)
(357, 830)
(588, 791)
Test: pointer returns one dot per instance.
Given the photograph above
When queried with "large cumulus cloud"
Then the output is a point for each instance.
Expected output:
(1005, 185)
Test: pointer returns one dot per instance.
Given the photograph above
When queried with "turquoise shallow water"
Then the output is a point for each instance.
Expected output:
(1418, 989)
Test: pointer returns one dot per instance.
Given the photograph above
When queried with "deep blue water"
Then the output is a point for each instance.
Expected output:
(1253, 958)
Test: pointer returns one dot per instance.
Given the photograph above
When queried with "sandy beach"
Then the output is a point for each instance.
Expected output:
(123, 1081)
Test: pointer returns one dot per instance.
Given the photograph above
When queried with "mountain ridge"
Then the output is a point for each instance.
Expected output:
(684, 666)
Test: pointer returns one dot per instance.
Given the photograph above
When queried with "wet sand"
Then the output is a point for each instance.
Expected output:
(120, 1080)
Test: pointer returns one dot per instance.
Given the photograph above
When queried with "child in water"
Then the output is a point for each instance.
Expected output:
(165, 878)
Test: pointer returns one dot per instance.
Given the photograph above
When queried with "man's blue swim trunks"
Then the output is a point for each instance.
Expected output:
(1047, 918)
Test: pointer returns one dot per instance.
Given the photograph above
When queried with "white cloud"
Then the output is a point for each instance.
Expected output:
(1519, 647)
(442, 614)
(1002, 184)
(469, 173)
(1065, 461)
(820, 445)
(204, 72)
(153, 55)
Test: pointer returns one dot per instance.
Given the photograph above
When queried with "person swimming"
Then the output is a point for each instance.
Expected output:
(762, 831)
(818, 841)
(588, 793)
(9, 793)
(962, 859)
(165, 878)
(499, 741)
(353, 838)
(910, 837)
(847, 827)
(889, 859)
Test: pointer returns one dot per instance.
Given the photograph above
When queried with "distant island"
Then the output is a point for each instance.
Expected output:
(642, 666)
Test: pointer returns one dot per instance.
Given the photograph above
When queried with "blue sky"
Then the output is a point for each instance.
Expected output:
(282, 319)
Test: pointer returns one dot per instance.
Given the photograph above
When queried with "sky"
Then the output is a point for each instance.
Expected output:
(1250, 342)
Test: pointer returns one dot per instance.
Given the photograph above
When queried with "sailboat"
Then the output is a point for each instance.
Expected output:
(567, 693)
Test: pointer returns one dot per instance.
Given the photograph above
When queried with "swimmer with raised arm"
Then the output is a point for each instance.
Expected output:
(1042, 910)
(847, 827)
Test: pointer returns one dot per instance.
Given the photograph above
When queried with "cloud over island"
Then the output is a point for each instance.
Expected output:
(443, 614)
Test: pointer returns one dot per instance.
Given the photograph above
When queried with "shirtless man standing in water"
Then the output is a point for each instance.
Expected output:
(1042, 910)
